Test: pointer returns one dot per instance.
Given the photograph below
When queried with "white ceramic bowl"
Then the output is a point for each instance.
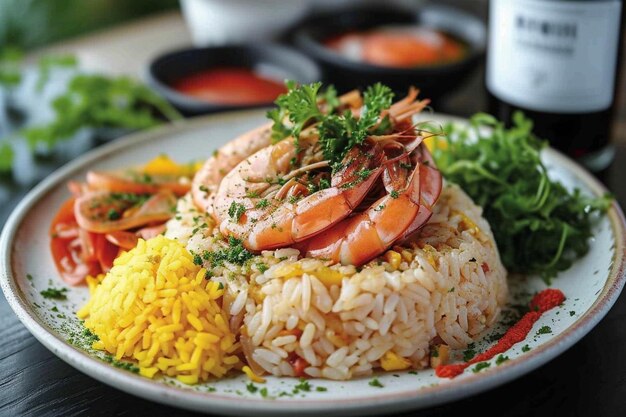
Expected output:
(219, 22)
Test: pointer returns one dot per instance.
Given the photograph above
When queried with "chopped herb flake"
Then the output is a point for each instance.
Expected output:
(235, 211)
(470, 352)
(262, 203)
(544, 330)
(55, 294)
(375, 383)
(480, 366)
(501, 359)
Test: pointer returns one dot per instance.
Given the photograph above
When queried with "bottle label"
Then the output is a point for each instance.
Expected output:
(553, 56)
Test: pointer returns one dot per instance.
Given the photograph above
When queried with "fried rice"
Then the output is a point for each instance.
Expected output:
(299, 316)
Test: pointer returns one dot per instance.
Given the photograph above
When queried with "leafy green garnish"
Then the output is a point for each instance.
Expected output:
(339, 133)
(544, 330)
(374, 382)
(470, 352)
(235, 253)
(540, 227)
(301, 106)
(236, 210)
(480, 366)
(501, 359)
(54, 293)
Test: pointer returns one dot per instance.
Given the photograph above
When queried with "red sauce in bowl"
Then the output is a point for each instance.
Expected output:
(230, 85)
(398, 46)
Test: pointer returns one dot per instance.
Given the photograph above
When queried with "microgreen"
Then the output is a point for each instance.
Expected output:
(540, 226)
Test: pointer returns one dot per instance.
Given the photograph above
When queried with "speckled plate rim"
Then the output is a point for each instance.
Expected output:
(216, 403)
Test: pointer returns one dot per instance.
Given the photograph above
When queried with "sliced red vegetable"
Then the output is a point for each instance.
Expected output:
(123, 239)
(151, 231)
(299, 365)
(136, 182)
(67, 247)
(106, 252)
(102, 212)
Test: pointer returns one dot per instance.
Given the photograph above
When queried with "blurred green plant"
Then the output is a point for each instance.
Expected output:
(47, 63)
(97, 101)
(10, 62)
(92, 101)
(32, 23)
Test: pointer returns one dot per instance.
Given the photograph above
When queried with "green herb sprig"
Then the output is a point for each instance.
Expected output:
(540, 226)
(338, 133)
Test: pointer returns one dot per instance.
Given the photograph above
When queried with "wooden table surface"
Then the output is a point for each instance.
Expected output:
(589, 379)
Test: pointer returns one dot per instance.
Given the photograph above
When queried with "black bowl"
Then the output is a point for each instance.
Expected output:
(434, 81)
(278, 61)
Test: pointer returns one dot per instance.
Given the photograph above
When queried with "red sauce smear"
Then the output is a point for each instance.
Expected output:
(542, 302)
(400, 48)
(230, 85)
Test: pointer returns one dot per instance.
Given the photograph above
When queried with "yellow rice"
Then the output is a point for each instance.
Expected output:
(156, 307)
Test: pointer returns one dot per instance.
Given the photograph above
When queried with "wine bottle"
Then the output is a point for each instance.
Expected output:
(557, 61)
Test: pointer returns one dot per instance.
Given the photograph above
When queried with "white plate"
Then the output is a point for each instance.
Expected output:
(592, 285)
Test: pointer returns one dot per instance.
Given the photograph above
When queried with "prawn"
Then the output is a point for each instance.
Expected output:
(405, 208)
(266, 202)
(206, 181)
(272, 217)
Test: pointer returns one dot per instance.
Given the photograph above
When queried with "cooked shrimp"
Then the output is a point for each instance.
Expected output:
(267, 219)
(207, 179)
(407, 207)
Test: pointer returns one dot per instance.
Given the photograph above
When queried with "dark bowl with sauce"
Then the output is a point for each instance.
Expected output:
(435, 80)
(206, 80)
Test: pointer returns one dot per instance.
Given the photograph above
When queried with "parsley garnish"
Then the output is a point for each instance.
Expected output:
(338, 132)
(470, 352)
(525, 348)
(251, 388)
(262, 203)
(434, 352)
(375, 383)
(113, 214)
(55, 294)
(544, 330)
(302, 386)
(299, 105)
(128, 366)
(235, 253)
(480, 366)
(235, 211)
(501, 359)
